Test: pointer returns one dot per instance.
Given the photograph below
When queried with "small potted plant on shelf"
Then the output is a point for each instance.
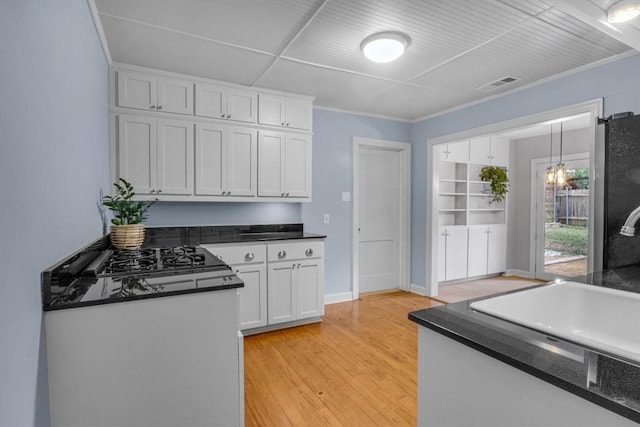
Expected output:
(498, 180)
(127, 230)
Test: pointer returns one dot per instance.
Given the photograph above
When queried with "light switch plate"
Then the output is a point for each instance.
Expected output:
(326, 218)
(346, 196)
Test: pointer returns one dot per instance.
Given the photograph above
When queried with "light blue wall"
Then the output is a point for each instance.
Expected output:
(618, 83)
(332, 175)
(232, 213)
(53, 162)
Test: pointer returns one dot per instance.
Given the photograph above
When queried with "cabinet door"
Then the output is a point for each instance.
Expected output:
(210, 160)
(298, 113)
(497, 249)
(478, 244)
(297, 166)
(211, 101)
(137, 152)
(480, 150)
(271, 110)
(175, 96)
(253, 296)
(137, 90)
(270, 164)
(442, 254)
(242, 105)
(310, 289)
(499, 151)
(282, 292)
(175, 157)
(242, 163)
(458, 152)
(456, 262)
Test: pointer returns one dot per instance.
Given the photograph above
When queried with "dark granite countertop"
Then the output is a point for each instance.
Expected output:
(561, 363)
(65, 285)
(200, 235)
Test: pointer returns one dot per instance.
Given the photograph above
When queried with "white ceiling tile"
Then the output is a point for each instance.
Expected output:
(332, 88)
(412, 102)
(261, 25)
(136, 44)
(438, 30)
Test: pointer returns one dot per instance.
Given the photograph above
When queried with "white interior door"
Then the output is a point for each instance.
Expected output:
(379, 190)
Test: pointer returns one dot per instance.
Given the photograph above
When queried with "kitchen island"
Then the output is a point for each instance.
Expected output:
(476, 369)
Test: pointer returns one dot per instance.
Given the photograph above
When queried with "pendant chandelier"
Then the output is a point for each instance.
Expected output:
(555, 174)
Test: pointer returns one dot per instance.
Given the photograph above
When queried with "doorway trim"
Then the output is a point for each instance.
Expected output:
(404, 148)
(596, 165)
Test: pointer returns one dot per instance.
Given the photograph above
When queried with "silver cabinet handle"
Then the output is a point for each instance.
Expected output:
(159, 107)
(282, 254)
(308, 252)
(228, 193)
(282, 195)
(287, 124)
(282, 124)
(159, 191)
(222, 115)
(298, 266)
(249, 257)
(152, 191)
(153, 107)
(287, 194)
(228, 116)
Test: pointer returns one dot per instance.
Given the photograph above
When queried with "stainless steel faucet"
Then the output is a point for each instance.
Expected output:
(629, 227)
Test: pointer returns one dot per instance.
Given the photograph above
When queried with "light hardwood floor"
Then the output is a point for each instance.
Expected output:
(356, 368)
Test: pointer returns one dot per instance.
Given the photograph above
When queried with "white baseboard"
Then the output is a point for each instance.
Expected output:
(335, 298)
(521, 273)
(420, 290)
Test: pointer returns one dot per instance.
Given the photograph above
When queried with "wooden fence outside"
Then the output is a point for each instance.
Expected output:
(567, 206)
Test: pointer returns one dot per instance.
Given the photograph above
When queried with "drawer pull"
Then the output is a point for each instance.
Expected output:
(249, 257)
(308, 252)
(282, 254)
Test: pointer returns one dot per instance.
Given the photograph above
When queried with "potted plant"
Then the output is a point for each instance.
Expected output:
(498, 179)
(127, 230)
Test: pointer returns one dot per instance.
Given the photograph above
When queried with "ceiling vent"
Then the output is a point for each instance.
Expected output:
(498, 83)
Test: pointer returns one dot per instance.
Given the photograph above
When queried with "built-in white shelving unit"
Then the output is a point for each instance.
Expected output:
(472, 232)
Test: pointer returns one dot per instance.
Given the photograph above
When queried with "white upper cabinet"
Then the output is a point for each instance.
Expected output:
(156, 155)
(493, 150)
(226, 160)
(148, 92)
(284, 112)
(455, 152)
(284, 164)
(226, 103)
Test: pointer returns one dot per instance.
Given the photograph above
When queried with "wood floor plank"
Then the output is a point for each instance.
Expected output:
(356, 368)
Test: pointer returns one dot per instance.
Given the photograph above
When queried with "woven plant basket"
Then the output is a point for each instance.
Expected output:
(127, 236)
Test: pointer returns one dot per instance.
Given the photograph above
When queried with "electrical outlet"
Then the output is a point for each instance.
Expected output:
(326, 218)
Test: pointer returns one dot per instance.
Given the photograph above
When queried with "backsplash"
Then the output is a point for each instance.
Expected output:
(622, 189)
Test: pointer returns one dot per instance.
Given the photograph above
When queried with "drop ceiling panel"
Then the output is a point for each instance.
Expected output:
(335, 89)
(146, 46)
(533, 51)
(412, 102)
(262, 25)
(439, 30)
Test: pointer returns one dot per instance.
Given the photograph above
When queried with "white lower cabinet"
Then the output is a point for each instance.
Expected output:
(452, 253)
(487, 249)
(283, 280)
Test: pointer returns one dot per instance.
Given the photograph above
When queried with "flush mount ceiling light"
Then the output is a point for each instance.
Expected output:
(623, 11)
(385, 47)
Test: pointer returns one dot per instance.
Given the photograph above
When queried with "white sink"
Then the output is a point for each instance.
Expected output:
(600, 318)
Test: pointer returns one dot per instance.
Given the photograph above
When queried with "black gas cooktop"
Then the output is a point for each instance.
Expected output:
(99, 274)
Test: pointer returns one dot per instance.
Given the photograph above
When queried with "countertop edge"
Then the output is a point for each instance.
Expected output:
(551, 379)
(49, 308)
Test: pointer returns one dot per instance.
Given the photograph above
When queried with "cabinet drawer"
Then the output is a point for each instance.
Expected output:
(235, 255)
(298, 250)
